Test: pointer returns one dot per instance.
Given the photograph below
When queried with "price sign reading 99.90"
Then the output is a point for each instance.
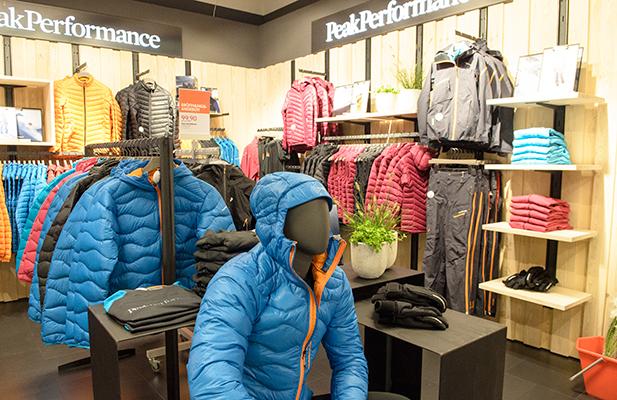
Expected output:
(194, 114)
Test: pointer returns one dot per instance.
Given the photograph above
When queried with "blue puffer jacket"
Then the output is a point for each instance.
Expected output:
(119, 241)
(36, 206)
(34, 301)
(260, 325)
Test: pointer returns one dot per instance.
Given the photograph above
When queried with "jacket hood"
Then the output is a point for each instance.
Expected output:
(272, 197)
(129, 171)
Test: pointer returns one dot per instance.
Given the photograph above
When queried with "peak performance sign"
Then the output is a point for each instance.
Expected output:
(377, 17)
(36, 21)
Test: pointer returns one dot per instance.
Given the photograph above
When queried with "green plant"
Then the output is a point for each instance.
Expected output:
(387, 89)
(374, 225)
(610, 342)
(410, 80)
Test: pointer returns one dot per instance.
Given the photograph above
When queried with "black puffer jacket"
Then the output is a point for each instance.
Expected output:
(148, 110)
(234, 186)
(97, 173)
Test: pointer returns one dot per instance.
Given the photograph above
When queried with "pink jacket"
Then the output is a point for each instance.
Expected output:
(250, 160)
(299, 113)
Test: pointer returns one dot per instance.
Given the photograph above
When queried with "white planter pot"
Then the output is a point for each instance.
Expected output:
(385, 102)
(407, 100)
(367, 263)
(392, 249)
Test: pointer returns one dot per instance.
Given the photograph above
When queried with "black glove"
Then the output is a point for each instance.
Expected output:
(416, 295)
(407, 315)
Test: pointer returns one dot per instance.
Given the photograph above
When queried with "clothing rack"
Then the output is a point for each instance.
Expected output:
(139, 75)
(163, 147)
(466, 35)
(309, 72)
(408, 135)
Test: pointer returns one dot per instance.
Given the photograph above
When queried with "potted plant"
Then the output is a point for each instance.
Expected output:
(411, 83)
(373, 239)
(385, 99)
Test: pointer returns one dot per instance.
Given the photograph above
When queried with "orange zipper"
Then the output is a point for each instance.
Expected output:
(314, 304)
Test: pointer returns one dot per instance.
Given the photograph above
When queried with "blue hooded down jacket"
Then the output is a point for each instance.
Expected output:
(260, 325)
(34, 301)
(36, 206)
(118, 242)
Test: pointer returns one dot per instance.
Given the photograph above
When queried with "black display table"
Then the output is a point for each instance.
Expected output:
(466, 361)
(365, 288)
(105, 337)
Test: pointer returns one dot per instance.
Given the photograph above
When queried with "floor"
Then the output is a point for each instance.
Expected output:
(28, 369)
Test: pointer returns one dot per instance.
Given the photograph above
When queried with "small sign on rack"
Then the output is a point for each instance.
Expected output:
(194, 114)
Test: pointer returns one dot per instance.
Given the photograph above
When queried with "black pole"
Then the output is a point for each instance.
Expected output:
(168, 257)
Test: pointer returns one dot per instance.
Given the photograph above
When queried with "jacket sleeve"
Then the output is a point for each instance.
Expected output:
(95, 261)
(423, 106)
(345, 351)
(220, 340)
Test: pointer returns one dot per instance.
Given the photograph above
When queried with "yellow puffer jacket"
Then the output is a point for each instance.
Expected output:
(5, 226)
(86, 113)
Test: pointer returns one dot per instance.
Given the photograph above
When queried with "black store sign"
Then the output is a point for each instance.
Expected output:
(377, 17)
(18, 18)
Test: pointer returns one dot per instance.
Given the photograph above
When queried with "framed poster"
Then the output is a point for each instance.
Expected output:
(528, 75)
(30, 124)
(8, 124)
(343, 98)
(560, 69)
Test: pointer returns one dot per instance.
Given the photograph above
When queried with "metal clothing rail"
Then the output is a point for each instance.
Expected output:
(309, 72)
(165, 146)
(408, 135)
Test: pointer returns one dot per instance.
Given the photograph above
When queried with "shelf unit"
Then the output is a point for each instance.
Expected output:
(363, 118)
(558, 298)
(568, 236)
(544, 167)
(31, 93)
(556, 100)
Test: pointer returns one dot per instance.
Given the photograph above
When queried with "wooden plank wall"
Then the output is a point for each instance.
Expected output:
(519, 28)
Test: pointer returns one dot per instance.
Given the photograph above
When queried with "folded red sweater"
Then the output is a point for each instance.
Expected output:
(539, 200)
(549, 216)
(539, 228)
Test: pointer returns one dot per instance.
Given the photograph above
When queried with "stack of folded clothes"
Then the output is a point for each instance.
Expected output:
(410, 306)
(539, 146)
(539, 213)
(536, 279)
(214, 250)
(152, 308)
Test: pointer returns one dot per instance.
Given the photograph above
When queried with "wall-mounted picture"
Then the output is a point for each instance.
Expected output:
(528, 75)
(30, 124)
(8, 124)
(343, 99)
(361, 92)
(560, 69)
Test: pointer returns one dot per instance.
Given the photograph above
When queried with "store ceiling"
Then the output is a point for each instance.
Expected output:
(261, 7)
(254, 12)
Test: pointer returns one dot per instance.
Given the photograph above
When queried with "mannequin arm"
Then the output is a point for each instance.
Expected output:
(345, 351)
(220, 341)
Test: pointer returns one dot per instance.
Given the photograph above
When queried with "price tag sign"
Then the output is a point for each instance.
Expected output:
(194, 114)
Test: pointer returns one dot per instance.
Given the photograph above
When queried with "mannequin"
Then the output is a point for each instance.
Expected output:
(309, 226)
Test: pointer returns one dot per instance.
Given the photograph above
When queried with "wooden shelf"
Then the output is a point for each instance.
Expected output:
(559, 298)
(544, 167)
(369, 117)
(569, 236)
(568, 99)
(41, 144)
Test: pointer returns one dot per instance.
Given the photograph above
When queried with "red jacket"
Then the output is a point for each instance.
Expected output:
(299, 113)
